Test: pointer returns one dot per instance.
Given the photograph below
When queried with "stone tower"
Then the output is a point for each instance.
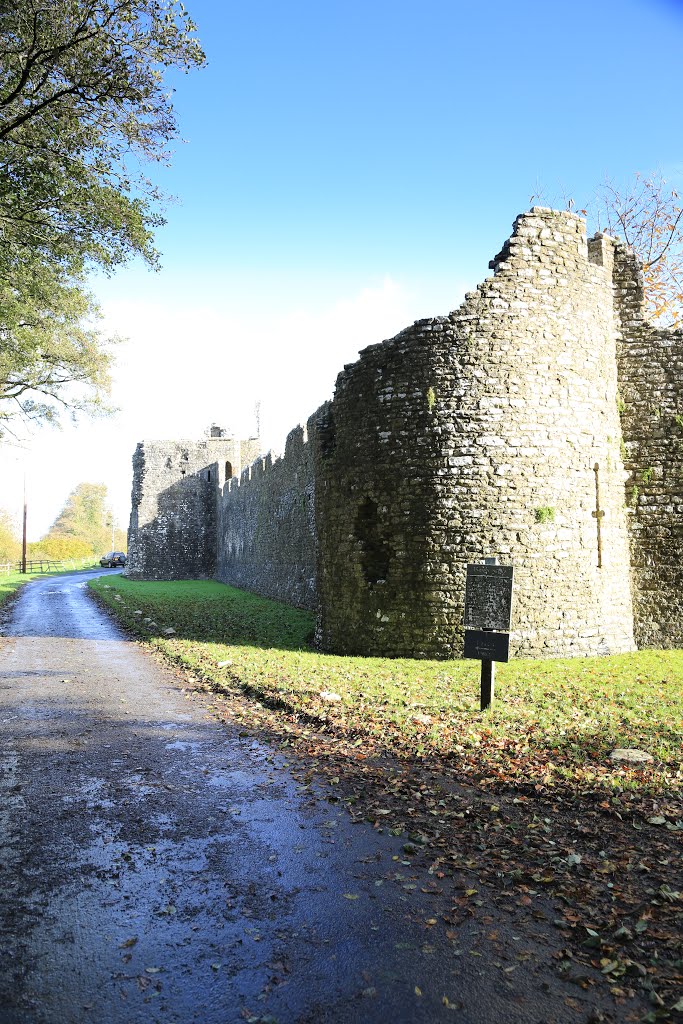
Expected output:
(477, 434)
(173, 521)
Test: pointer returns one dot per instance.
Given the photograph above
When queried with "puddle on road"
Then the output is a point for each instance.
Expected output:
(163, 822)
(161, 921)
(241, 781)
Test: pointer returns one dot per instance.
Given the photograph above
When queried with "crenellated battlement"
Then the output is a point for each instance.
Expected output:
(266, 523)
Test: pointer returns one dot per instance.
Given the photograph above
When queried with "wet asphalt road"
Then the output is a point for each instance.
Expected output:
(156, 865)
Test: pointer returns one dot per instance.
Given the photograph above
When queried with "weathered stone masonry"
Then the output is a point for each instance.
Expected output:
(266, 527)
(651, 403)
(472, 434)
(173, 522)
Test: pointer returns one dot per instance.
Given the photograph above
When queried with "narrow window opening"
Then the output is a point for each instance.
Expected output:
(208, 475)
(598, 513)
(228, 470)
(375, 554)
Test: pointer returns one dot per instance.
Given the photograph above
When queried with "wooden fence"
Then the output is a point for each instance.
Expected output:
(37, 565)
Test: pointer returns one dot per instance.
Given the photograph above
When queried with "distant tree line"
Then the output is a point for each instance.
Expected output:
(82, 529)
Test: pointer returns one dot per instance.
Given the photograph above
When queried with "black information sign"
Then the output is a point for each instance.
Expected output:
(488, 597)
(486, 646)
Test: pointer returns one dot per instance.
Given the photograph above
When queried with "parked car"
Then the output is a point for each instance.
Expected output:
(112, 559)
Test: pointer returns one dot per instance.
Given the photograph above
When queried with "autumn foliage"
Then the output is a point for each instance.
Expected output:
(648, 217)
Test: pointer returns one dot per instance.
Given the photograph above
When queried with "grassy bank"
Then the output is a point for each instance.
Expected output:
(554, 722)
(10, 583)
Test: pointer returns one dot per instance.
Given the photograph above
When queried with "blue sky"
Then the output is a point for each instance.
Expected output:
(348, 168)
(359, 138)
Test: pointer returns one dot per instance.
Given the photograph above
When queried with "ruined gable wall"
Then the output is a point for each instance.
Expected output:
(266, 529)
(172, 531)
(451, 440)
(651, 403)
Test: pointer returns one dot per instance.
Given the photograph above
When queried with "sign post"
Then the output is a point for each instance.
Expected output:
(488, 611)
(23, 540)
(487, 685)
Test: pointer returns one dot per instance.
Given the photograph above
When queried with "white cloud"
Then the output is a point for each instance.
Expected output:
(185, 366)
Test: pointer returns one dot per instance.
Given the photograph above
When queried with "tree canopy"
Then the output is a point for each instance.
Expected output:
(10, 545)
(86, 518)
(83, 97)
(84, 102)
(52, 355)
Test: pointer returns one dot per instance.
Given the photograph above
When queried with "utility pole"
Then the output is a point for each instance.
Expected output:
(23, 542)
(110, 522)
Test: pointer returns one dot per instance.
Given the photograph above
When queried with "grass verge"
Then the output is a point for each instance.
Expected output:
(554, 722)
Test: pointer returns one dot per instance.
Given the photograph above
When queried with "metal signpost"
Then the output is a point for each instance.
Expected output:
(488, 611)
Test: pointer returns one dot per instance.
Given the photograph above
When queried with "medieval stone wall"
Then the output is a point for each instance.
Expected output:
(651, 406)
(477, 434)
(173, 524)
(266, 526)
(541, 422)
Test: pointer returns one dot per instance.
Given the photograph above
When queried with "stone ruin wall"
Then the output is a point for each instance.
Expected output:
(173, 524)
(651, 405)
(266, 526)
(464, 436)
(452, 441)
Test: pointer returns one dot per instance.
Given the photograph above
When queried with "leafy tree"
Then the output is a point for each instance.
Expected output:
(82, 98)
(86, 518)
(59, 548)
(648, 217)
(52, 356)
(10, 545)
(83, 103)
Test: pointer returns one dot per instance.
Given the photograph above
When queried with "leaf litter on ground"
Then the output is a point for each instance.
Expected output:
(526, 797)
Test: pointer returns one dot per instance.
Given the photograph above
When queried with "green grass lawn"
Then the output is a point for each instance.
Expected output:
(553, 724)
(10, 583)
